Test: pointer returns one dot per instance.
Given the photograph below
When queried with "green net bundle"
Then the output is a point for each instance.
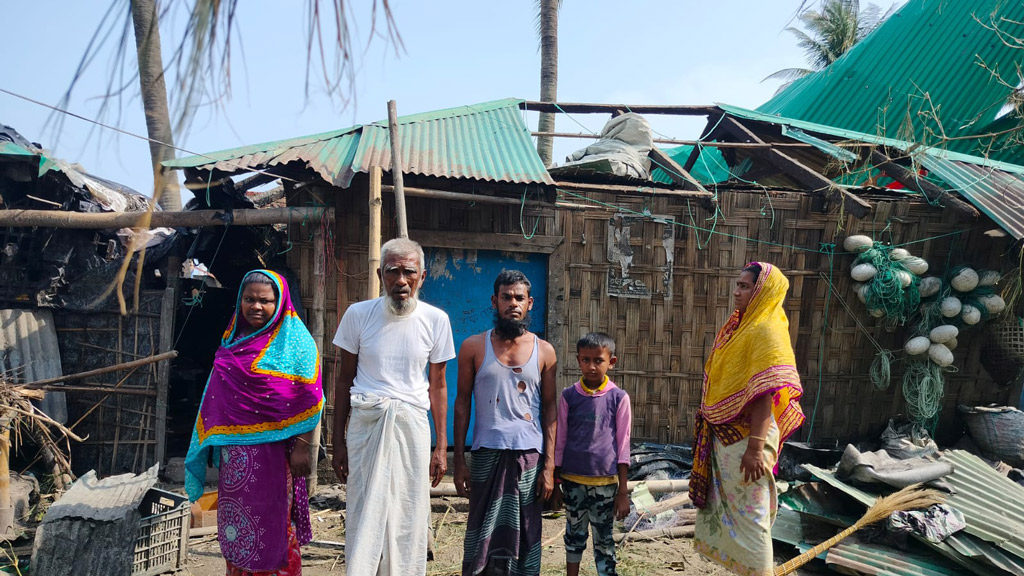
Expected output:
(885, 291)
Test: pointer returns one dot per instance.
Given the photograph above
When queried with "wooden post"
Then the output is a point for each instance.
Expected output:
(373, 252)
(168, 310)
(396, 171)
(317, 317)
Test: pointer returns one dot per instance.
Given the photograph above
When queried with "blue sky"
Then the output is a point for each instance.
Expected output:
(456, 52)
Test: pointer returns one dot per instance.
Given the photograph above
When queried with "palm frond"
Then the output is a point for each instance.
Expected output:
(788, 74)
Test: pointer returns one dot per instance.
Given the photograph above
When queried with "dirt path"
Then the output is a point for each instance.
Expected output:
(665, 557)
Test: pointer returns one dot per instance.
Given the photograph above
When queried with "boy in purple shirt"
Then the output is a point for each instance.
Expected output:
(592, 454)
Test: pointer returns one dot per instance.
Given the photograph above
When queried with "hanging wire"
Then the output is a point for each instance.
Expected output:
(522, 226)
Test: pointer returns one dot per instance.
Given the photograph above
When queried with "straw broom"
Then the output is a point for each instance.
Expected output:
(910, 498)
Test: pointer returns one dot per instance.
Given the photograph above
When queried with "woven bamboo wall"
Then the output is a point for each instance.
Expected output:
(119, 429)
(664, 339)
(664, 316)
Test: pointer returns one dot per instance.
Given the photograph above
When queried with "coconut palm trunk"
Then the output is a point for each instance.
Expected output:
(154, 100)
(548, 19)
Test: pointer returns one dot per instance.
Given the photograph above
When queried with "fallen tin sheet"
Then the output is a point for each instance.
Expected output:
(852, 557)
(975, 564)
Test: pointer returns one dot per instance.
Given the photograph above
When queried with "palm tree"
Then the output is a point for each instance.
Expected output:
(200, 64)
(547, 29)
(830, 32)
(154, 99)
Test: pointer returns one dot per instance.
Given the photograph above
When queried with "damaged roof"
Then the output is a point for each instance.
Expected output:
(995, 188)
(945, 67)
(488, 141)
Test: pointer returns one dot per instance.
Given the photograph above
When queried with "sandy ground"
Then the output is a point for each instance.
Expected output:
(650, 558)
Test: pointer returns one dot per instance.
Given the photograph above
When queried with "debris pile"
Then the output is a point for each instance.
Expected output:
(979, 529)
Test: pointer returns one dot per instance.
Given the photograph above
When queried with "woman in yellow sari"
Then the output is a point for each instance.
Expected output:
(748, 409)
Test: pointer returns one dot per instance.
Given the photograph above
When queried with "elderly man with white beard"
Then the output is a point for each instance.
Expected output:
(393, 355)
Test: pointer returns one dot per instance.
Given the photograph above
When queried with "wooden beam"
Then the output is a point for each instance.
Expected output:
(480, 241)
(706, 144)
(634, 190)
(463, 197)
(168, 308)
(581, 108)
(677, 173)
(803, 174)
(930, 190)
(710, 127)
(184, 219)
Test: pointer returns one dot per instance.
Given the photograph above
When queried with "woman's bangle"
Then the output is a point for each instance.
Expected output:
(308, 443)
(752, 437)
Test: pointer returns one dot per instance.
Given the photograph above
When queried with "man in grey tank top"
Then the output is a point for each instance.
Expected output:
(509, 374)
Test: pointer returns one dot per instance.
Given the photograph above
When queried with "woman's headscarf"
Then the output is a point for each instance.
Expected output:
(752, 356)
(265, 386)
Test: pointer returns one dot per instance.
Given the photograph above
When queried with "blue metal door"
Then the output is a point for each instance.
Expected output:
(461, 283)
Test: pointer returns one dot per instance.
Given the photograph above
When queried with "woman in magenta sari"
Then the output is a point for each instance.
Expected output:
(261, 405)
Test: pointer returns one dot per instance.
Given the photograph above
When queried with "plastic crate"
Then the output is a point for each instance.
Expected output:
(163, 534)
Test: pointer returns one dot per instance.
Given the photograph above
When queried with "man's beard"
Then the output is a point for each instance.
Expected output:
(510, 328)
(402, 307)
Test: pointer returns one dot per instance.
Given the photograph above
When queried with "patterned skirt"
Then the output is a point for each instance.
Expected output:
(734, 527)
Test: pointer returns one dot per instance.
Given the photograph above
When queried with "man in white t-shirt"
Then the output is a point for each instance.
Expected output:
(393, 355)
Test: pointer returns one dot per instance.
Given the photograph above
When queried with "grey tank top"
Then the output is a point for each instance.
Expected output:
(508, 402)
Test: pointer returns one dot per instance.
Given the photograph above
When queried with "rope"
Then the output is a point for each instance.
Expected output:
(819, 250)
(923, 389)
(198, 298)
(881, 371)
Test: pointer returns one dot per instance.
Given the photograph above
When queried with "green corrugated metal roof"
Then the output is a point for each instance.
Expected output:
(710, 167)
(934, 47)
(995, 188)
(12, 149)
(848, 134)
(488, 141)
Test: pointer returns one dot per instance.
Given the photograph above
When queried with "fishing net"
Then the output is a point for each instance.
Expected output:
(923, 388)
(885, 291)
(881, 369)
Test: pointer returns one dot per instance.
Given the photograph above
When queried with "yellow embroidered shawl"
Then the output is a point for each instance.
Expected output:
(752, 356)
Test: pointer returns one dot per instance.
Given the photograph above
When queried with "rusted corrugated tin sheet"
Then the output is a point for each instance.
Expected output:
(103, 500)
(851, 557)
(991, 503)
(998, 194)
(488, 141)
(985, 555)
(29, 352)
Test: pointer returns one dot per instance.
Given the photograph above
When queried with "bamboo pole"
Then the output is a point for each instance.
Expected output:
(185, 219)
(396, 171)
(373, 253)
(6, 511)
(105, 370)
(654, 533)
(586, 108)
(317, 317)
(102, 390)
